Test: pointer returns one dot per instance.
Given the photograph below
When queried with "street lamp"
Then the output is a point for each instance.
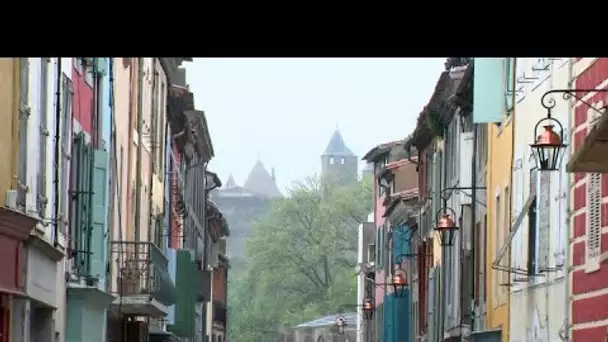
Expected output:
(549, 147)
(341, 324)
(399, 281)
(368, 309)
(446, 227)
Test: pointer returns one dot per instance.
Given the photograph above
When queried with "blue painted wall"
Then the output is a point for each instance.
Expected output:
(397, 310)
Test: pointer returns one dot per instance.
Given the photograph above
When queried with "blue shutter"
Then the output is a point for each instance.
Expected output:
(98, 251)
(488, 90)
(509, 63)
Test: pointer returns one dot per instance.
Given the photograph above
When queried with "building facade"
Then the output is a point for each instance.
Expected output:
(539, 223)
(587, 237)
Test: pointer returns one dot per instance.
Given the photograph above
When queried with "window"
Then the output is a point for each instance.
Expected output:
(67, 98)
(77, 64)
(594, 222)
(497, 234)
(44, 133)
(331, 160)
(342, 160)
(89, 74)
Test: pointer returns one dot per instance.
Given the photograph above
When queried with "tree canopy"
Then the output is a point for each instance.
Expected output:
(301, 259)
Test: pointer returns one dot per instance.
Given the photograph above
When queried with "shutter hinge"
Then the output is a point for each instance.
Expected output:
(45, 131)
(25, 111)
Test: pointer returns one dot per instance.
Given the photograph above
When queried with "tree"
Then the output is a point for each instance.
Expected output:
(300, 258)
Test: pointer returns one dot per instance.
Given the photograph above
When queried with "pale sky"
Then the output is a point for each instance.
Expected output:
(284, 111)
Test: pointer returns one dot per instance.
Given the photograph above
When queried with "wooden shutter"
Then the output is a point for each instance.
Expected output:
(544, 221)
(99, 197)
(594, 226)
(80, 228)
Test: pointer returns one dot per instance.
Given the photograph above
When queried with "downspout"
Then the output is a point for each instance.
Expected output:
(140, 123)
(567, 297)
(169, 179)
(510, 199)
(205, 245)
(56, 152)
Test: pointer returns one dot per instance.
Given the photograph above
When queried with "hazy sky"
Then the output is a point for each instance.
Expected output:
(284, 111)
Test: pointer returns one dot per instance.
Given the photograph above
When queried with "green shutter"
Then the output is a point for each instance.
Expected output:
(100, 66)
(80, 227)
(186, 294)
(98, 252)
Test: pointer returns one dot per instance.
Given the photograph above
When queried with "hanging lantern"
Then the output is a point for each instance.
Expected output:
(341, 324)
(399, 282)
(549, 147)
(368, 308)
(446, 228)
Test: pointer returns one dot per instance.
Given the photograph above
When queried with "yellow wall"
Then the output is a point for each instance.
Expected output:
(500, 149)
(9, 124)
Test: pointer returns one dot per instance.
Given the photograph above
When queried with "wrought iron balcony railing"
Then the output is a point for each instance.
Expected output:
(141, 269)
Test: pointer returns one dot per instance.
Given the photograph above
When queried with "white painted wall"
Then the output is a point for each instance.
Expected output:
(41, 136)
(538, 305)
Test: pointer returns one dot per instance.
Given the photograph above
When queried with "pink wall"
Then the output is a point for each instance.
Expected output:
(83, 101)
(378, 221)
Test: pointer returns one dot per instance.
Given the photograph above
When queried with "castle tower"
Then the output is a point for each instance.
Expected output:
(338, 160)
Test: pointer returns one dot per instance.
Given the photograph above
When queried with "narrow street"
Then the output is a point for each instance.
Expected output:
(154, 199)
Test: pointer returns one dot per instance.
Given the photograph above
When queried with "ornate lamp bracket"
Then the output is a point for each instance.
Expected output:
(549, 103)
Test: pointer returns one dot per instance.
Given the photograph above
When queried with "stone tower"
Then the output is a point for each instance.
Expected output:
(243, 205)
(338, 160)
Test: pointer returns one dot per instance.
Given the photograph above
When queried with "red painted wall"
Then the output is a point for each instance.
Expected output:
(593, 307)
(83, 101)
(12, 256)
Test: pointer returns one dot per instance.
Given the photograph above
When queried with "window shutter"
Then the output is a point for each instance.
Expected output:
(431, 306)
(98, 234)
(80, 222)
(594, 226)
(378, 249)
(544, 214)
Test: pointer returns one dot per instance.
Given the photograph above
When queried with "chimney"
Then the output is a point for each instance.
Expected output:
(274, 178)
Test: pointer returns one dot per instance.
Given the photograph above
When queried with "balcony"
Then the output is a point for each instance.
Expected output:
(143, 285)
(219, 312)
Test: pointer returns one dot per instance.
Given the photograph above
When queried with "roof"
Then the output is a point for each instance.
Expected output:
(330, 320)
(230, 182)
(337, 147)
(260, 182)
(380, 151)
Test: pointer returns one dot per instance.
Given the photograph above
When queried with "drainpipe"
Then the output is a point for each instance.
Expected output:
(153, 148)
(140, 124)
(468, 255)
(56, 152)
(568, 298)
(513, 132)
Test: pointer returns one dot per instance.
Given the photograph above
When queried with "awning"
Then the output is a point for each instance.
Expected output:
(514, 229)
(591, 156)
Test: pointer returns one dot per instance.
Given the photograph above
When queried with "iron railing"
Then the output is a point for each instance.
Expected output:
(138, 266)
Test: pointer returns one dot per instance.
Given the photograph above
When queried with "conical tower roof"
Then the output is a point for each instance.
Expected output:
(261, 182)
(337, 147)
(230, 182)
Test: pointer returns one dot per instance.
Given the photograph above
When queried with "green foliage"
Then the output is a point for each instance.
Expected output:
(300, 260)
